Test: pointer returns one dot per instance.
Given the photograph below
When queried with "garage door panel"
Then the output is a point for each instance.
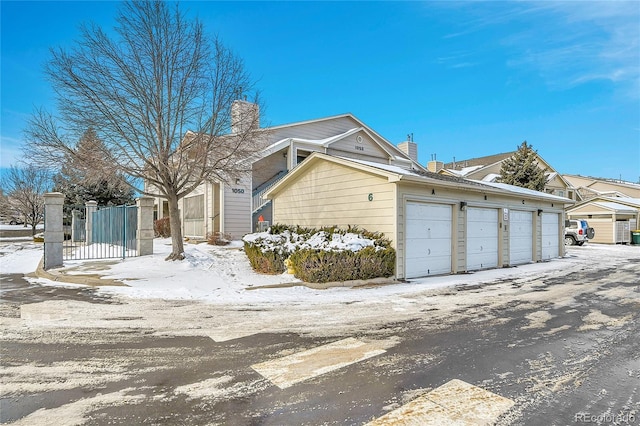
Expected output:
(429, 229)
(520, 237)
(428, 239)
(482, 238)
(550, 237)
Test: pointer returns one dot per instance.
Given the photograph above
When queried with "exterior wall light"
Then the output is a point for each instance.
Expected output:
(539, 212)
(463, 205)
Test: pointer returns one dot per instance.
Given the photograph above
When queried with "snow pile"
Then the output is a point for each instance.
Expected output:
(18, 258)
(288, 241)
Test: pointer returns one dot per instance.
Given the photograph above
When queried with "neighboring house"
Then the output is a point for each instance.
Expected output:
(488, 169)
(589, 187)
(438, 224)
(612, 218)
(236, 208)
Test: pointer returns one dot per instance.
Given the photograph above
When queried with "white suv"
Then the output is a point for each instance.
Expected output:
(577, 231)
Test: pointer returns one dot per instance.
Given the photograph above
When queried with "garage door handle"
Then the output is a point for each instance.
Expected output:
(428, 251)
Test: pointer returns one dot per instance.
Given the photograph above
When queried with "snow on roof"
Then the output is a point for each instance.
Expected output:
(615, 206)
(319, 142)
(386, 167)
(463, 181)
(626, 200)
(526, 191)
(466, 170)
(491, 177)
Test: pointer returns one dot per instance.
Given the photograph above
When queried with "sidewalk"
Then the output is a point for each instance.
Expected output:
(79, 274)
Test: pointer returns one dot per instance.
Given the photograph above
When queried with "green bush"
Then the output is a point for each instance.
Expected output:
(265, 262)
(268, 251)
(319, 266)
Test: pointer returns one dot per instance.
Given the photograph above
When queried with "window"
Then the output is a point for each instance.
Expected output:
(194, 207)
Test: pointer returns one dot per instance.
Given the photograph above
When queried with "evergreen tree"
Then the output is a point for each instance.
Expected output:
(522, 169)
(88, 174)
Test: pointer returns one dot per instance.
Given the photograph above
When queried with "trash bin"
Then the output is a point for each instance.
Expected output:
(635, 237)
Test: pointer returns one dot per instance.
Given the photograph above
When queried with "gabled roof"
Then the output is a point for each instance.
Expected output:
(628, 202)
(479, 162)
(613, 207)
(324, 143)
(595, 180)
(391, 148)
(397, 174)
(467, 167)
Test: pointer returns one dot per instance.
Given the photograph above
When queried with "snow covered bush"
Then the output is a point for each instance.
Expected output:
(321, 255)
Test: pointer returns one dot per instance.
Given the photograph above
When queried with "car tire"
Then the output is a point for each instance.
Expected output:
(13, 222)
(569, 240)
(580, 243)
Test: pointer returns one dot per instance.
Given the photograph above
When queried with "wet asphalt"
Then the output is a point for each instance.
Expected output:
(557, 375)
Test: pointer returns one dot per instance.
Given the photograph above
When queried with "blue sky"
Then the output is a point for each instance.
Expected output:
(468, 79)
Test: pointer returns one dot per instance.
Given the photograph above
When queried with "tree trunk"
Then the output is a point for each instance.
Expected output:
(177, 252)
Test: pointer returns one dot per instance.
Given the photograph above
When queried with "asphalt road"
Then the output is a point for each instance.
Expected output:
(562, 348)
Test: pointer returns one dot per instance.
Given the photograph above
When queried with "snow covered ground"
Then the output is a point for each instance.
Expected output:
(222, 275)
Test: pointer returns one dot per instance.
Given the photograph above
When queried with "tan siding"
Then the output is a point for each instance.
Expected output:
(268, 167)
(604, 229)
(337, 195)
(631, 191)
(485, 171)
(504, 259)
(587, 209)
(316, 130)
(461, 242)
(351, 148)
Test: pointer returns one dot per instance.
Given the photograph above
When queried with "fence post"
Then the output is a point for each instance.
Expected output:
(74, 219)
(53, 230)
(91, 207)
(145, 232)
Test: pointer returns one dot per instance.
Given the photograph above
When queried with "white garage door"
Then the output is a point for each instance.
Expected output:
(428, 240)
(550, 236)
(482, 238)
(520, 237)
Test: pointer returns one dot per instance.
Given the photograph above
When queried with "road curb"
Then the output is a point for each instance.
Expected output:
(92, 280)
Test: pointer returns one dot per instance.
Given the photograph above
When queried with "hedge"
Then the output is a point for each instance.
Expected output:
(268, 251)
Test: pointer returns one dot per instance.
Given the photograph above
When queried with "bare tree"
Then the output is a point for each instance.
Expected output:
(141, 90)
(25, 187)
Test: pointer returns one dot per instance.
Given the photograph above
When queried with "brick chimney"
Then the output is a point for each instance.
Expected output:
(244, 116)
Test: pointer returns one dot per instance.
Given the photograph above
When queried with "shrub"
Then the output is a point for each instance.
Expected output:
(218, 239)
(265, 262)
(319, 266)
(324, 255)
(162, 227)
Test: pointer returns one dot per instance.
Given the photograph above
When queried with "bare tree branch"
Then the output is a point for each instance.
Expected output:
(142, 90)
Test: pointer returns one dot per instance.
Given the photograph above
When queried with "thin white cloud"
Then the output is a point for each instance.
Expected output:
(568, 43)
(10, 152)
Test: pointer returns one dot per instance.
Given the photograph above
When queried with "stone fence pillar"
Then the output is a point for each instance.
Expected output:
(91, 206)
(145, 226)
(53, 230)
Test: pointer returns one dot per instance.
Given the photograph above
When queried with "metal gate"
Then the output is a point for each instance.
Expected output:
(102, 233)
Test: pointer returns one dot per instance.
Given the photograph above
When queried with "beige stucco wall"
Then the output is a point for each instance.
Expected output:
(330, 194)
